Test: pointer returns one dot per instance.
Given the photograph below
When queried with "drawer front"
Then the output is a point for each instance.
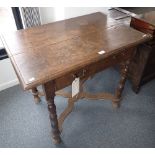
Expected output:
(142, 26)
(93, 68)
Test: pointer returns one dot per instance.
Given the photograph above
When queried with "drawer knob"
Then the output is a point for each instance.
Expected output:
(74, 76)
(80, 75)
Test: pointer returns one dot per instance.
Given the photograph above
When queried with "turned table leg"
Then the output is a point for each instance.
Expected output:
(49, 91)
(118, 93)
(35, 94)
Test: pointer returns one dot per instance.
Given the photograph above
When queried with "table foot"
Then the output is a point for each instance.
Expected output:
(35, 94)
(136, 89)
(116, 104)
(56, 140)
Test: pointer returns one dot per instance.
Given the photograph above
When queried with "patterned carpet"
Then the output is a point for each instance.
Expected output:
(93, 123)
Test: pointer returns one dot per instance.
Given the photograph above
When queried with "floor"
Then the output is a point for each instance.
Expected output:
(93, 123)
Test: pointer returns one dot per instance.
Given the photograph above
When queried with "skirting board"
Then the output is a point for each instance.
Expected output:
(9, 84)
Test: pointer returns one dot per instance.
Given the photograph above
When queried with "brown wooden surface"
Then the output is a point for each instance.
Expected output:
(49, 91)
(144, 22)
(36, 37)
(124, 70)
(142, 25)
(50, 51)
(147, 20)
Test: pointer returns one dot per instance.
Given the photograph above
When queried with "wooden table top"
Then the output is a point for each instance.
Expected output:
(49, 51)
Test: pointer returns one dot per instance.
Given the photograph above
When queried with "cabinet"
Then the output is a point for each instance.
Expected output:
(142, 68)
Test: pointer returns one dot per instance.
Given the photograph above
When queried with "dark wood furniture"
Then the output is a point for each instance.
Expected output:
(143, 66)
(53, 55)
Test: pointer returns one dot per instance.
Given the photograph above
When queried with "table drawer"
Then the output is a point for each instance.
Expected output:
(93, 68)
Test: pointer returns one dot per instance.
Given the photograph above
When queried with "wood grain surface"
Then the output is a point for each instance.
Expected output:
(47, 52)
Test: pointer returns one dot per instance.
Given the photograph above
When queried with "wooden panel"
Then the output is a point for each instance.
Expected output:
(148, 17)
(38, 37)
(142, 26)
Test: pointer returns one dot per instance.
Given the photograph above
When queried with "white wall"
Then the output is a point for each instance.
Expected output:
(51, 14)
(7, 74)
(8, 77)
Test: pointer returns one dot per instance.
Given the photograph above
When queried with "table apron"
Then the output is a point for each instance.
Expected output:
(93, 68)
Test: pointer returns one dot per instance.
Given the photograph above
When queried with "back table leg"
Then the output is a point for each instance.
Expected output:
(35, 94)
(124, 70)
(49, 91)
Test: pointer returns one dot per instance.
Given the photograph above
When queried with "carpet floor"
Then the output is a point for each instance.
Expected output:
(93, 123)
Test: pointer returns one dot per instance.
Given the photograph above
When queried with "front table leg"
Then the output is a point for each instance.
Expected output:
(124, 70)
(49, 91)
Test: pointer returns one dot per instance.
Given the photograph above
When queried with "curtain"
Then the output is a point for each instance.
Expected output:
(30, 16)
